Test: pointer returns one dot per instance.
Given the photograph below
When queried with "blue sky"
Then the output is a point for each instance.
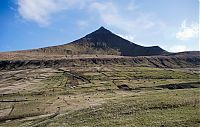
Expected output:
(170, 24)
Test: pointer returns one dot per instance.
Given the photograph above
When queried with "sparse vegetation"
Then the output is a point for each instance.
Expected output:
(52, 97)
(99, 80)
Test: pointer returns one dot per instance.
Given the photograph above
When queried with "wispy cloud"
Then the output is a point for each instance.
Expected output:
(187, 31)
(132, 6)
(37, 10)
(129, 19)
(40, 11)
(111, 15)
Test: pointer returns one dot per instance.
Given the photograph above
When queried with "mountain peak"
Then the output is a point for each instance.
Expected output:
(102, 30)
(105, 42)
(99, 33)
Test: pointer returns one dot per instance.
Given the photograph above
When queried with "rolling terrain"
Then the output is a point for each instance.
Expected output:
(101, 95)
(99, 80)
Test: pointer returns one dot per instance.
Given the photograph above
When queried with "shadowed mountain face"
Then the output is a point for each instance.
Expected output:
(101, 42)
(104, 41)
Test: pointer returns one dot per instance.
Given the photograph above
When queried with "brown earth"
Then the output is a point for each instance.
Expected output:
(172, 61)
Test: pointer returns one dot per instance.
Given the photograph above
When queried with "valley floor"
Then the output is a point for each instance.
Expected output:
(104, 96)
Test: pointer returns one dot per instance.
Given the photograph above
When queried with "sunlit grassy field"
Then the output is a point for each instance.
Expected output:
(104, 96)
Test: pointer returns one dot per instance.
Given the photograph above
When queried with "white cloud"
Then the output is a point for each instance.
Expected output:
(132, 22)
(127, 37)
(37, 10)
(187, 31)
(40, 11)
(178, 48)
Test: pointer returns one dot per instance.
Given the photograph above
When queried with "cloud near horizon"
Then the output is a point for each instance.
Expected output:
(178, 48)
(188, 31)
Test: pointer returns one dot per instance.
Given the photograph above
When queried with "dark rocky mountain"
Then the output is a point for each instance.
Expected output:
(104, 41)
(101, 42)
(98, 47)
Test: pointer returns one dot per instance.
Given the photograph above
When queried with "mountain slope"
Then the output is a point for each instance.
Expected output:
(105, 41)
(101, 41)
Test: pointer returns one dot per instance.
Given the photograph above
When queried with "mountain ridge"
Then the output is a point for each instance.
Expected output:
(105, 39)
(101, 47)
(100, 42)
